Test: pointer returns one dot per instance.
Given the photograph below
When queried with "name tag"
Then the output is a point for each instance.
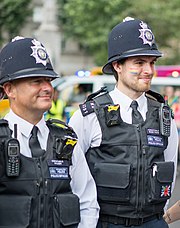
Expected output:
(59, 172)
(155, 140)
(152, 131)
(58, 169)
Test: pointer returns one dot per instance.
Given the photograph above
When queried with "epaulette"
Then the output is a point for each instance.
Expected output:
(58, 126)
(155, 96)
(88, 106)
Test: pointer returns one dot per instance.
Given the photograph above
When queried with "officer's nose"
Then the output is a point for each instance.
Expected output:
(149, 69)
(46, 85)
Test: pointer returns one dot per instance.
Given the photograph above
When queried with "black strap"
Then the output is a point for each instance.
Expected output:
(155, 96)
(5, 131)
(104, 100)
(128, 221)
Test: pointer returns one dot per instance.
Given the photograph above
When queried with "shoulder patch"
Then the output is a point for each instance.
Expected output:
(87, 107)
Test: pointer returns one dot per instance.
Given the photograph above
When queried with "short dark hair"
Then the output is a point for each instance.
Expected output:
(122, 61)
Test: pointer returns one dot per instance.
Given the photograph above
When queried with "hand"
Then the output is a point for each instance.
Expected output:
(167, 217)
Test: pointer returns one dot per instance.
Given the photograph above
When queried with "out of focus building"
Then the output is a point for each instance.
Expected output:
(66, 55)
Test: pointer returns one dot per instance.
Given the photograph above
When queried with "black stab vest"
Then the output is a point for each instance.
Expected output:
(35, 199)
(133, 180)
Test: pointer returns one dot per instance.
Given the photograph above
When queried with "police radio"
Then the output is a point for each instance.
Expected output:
(165, 119)
(12, 156)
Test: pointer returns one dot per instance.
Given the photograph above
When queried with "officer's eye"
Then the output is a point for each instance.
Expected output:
(48, 79)
(37, 81)
(139, 62)
(153, 63)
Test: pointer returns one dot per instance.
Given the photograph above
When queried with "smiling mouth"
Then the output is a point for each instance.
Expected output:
(45, 97)
(146, 79)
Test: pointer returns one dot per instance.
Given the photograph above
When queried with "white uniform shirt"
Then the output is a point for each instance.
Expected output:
(82, 183)
(89, 131)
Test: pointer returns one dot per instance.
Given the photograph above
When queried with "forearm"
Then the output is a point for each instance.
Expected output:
(173, 213)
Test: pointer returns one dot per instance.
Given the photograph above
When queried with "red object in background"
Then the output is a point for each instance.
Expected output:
(168, 71)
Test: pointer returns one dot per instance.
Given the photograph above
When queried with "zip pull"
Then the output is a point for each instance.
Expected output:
(144, 150)
(137, 126)
(37, 188)
(46, 187)
(56, 200)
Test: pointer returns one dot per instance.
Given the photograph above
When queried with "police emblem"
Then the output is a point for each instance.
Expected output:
(39, 53)
(146, 34)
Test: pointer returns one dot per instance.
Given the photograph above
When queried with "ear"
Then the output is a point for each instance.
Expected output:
(9, 89)
(117, 66)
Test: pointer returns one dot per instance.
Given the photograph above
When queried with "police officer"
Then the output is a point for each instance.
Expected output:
(129, 134)
(44, 177)
(57, 109)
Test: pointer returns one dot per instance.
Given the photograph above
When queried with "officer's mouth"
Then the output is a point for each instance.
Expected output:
(48, 98)
(146, 80)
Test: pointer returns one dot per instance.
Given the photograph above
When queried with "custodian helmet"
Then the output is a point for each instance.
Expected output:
(132, 37)
(22, 58)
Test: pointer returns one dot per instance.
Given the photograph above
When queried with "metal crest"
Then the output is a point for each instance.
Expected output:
(146, 34)
(128, 19)
(39, 53)
(17, 38)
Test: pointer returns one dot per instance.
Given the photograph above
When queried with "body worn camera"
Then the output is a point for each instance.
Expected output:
(165, 119)
(112, 115)
(12, 157)
(64, 147)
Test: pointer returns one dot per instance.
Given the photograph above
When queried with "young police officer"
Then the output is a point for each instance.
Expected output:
(129, 135)
(44, 178)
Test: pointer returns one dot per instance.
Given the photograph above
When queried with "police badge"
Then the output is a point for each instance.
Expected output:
(39, 53)
(146, 34)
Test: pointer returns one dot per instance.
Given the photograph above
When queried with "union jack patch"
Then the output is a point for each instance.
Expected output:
(165, 190)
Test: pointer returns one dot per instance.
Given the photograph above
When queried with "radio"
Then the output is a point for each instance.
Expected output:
(12, 155)
(165, 119)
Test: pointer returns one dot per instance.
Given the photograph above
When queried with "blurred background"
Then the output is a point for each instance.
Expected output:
(75, 33)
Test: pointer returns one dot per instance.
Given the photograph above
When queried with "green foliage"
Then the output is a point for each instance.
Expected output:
(13, 14)
(89, 22)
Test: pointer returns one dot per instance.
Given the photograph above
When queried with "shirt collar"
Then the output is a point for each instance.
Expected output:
(22, 125)
(124, 101)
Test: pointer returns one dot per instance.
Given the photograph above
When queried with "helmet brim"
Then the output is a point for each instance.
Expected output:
(30, 73)
(107, 68)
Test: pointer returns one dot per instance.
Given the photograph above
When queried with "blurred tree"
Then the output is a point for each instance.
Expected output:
(89, 22)
(13, 14)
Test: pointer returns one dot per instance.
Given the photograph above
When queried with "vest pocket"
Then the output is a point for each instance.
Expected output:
(161, 179)
(113, 182)
(66, 213)
(15, 211)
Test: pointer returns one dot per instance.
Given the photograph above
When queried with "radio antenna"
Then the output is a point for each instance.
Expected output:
(15, 131)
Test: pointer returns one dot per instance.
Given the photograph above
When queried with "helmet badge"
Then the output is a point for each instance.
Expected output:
(146, 34)
(39, 53)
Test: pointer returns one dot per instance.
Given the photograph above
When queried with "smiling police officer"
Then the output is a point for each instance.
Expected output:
(44, 178)
(129, 134)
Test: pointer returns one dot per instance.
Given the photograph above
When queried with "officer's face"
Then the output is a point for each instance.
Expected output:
(30, 96)
(135, 74)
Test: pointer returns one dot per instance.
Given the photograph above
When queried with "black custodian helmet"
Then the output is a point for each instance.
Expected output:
(132, 37)
(23, 58)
